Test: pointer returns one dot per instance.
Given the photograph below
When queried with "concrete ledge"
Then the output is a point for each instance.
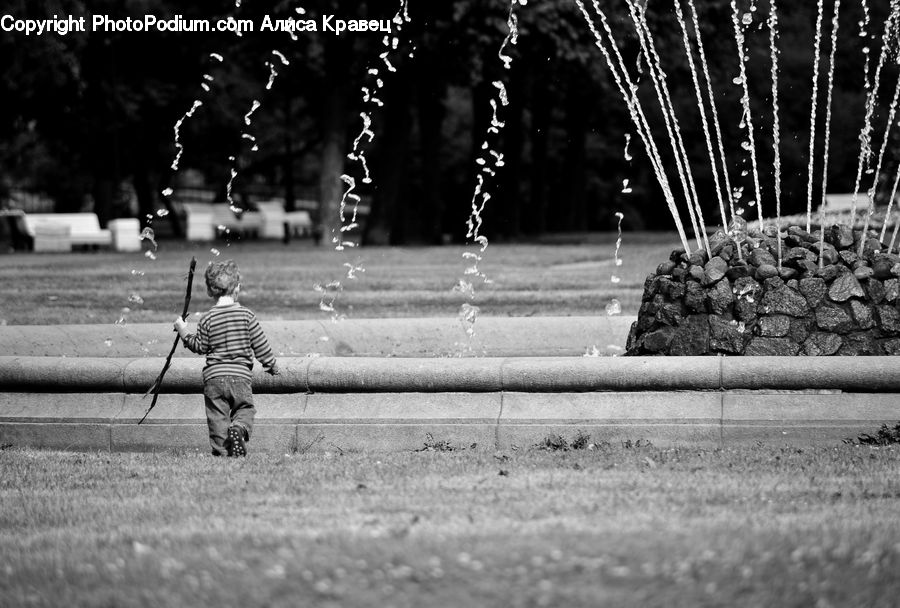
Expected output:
(548, 375)
(348, 403)
(403, 421)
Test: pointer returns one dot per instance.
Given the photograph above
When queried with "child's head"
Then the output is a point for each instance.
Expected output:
(222, 279)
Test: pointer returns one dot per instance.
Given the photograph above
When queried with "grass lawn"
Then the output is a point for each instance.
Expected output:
(616, 526)
(279, 280)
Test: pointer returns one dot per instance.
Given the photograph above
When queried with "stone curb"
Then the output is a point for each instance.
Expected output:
(540, 375)
(408, 421)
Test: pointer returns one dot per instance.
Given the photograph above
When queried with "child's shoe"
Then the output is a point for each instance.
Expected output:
(235, 442)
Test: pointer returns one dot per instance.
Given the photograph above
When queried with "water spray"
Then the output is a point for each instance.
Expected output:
(628, 91)
(834, 33)
(342, 238)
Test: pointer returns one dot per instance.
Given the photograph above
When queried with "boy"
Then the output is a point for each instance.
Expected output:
(230, 336)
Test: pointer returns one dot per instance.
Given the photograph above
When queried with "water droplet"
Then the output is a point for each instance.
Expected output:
(613, 308)
(162, 212)
(167, 192)
(214, 251)
(135, 298)
(138, 273)
(593, 351)
(468, 314)
(746, 145)
(747, 19)
(150, 255)
(738, 80)
(626, 189)
(108, 342)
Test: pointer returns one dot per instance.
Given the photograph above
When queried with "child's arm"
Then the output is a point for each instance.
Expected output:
(198, 342)
(261, 349)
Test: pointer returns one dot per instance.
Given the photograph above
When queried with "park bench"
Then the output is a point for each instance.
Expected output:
(838, 203)
(278, 223)
(205, 221)
(62, 231)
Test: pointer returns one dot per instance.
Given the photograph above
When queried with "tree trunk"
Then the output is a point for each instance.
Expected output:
(331, 188)
(288, 164)
(576, 159)
(536, 219)
(391, 223)
(510, 194)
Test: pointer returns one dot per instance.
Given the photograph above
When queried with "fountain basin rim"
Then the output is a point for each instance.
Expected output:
(467, 375)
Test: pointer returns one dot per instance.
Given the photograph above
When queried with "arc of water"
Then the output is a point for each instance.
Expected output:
(343, 240)
(776, 127)
(629, 93)
(887, 131)
(481, 195)
(357, 153)
(715, 113)
(834, 34)
(248, 121)
(812, 114)
(745, 102)
(887, 212)
(865, 140)
(894, 236)
(701, 104)
(658, 76)
(468, 313)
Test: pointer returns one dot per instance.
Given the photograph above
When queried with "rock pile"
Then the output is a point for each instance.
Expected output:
(744, 304)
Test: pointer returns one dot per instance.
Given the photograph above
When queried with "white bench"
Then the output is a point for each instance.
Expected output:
(60, 231)
(836, 203)
(206, 220)
(275, 220)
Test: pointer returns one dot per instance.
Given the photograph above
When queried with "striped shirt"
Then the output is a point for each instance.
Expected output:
(230, 336)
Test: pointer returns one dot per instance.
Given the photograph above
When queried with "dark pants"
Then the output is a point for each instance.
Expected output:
(229, 402)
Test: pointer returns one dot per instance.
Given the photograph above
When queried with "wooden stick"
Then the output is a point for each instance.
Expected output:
(184, 313)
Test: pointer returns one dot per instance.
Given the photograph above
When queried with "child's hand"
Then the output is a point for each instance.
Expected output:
(180, 326)
(274, 370)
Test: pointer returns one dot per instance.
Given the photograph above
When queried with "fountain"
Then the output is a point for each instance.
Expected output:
(759, 288)
(762, 288)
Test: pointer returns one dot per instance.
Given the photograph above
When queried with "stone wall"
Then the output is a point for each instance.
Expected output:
(728, 304)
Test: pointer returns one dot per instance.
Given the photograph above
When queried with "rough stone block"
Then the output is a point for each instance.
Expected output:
(844, 287)
(822, 344)
(720, 297)
(726, 336)
(862, 314)
(774, 326)
(761, 346)
(785, 301)
(691, 337)
(888, 319)
(833, 318)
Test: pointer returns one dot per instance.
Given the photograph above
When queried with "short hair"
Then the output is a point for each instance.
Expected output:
(222, 278)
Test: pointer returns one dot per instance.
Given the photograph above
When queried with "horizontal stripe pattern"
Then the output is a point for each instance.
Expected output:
(230, 336)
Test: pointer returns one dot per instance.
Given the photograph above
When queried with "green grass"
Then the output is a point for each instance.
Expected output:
(279, 280)
(758, 526)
